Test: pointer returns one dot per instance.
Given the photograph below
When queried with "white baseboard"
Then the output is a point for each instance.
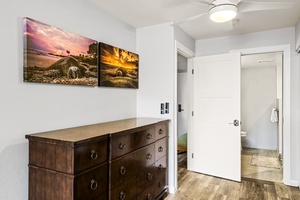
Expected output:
(292, 183)
(172, 190)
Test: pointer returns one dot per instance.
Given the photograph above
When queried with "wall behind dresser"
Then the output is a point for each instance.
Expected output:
(29, 108)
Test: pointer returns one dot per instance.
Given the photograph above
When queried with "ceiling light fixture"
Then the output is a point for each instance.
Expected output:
(223, 12)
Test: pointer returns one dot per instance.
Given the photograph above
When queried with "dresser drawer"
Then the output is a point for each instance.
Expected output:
(89, 155)
(122, 169)
(126, 143)
(143, 138)
(51, 185)
(145, 157)
(92, 184)
(125, 191)
(160, 184)
(148, 194)
(120, 145)
(161, 130)
(145, 178)
(68, 159)
(161, 166)
(161, 148)
(103, 196)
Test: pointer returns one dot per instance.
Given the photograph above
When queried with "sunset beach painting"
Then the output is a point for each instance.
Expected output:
(52, 55)
(118, 67)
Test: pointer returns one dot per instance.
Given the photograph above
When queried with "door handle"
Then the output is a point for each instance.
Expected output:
(235, 122)
(179, 108)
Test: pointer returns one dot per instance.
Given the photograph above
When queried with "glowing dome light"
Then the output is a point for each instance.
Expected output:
(223, 13)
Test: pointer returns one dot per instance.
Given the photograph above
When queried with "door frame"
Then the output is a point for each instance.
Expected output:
(186, 52)
(286, 49)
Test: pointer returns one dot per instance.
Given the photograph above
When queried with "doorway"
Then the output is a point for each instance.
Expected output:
(182, 117)
(286, 94)
(261, 114)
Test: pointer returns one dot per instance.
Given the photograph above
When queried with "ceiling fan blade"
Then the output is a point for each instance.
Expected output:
(249, 6)
(176, 3)
(207, 2)
(235, 2)
(189, 19)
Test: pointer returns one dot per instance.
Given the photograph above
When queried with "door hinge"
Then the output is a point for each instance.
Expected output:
(192, 155)
(192, 71)
(192, 113)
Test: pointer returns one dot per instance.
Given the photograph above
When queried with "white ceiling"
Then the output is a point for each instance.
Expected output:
(142, 13)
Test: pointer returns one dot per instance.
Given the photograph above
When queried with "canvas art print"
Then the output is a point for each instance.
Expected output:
(52, 55)
(118, 67)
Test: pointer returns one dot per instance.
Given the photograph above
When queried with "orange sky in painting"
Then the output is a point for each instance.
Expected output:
(49, 39)
(118, 57)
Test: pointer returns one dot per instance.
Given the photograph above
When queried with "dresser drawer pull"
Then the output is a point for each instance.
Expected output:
(160, 132)
(122, 146)
(160, 149)
(93, 184)
(149, 156)
(149, 197)
(94, 155)
(122, 195)
(160, 184)
(149, 136)
(122, 170)
(149, 175)
(160, 166)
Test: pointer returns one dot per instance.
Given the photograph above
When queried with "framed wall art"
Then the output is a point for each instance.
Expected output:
(52, 55)
(117, 67)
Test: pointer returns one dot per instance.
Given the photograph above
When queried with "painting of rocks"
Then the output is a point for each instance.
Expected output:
(52, 55)
(118, 67)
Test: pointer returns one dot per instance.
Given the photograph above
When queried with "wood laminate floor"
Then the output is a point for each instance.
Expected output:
(196, 186)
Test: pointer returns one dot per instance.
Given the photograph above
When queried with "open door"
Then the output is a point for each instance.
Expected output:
(216, 138)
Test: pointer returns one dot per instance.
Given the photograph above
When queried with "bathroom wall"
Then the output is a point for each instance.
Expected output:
(258, 97)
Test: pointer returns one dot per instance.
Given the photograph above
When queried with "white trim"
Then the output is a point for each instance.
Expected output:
(286, 49)
(190, 110)
(172, 190)
(183, 50)
(186, 52)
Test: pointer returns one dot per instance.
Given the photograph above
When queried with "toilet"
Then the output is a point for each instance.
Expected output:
(243, 135)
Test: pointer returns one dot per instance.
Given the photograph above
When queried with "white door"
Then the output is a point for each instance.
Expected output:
(215, 139)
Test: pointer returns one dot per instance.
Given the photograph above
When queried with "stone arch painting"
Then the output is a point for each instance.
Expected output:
(52, 55)
(117, 67)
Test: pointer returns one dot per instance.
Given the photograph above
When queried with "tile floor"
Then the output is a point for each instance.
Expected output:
(260, 173)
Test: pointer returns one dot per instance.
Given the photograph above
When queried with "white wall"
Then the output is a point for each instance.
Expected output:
(156, 47)
(158, 80)
(298, 34)
(258, 97)
(298, 85)
(183, 38)
(250, 40)
(262, 39)
(27, 108)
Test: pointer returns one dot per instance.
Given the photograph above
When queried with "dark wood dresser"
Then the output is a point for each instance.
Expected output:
(120, 160)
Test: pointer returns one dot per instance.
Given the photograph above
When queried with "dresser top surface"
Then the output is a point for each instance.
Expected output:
(77, 134)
